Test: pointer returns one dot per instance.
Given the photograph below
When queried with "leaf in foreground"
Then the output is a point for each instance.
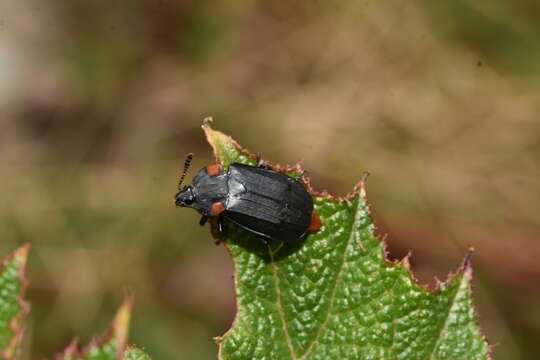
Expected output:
(110, 345)
(12, 306)
(336, 296)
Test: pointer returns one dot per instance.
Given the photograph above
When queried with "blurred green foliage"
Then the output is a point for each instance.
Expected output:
(99, 102)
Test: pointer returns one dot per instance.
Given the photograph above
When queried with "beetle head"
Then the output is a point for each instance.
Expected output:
(185, 197)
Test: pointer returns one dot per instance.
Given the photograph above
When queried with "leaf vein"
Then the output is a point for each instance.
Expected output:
(333, 296)
(444, 327)
(279, 306)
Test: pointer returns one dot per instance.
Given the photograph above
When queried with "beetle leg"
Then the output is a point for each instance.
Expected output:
(203, 220)
(260, 163)
(221, 227)
(278, 247)
(216, 229)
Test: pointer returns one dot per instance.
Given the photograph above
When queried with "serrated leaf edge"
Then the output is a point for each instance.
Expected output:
(21, 254)
(465, 270)
(466, 276)
(118, 329)
(359, 189)
(210, 134)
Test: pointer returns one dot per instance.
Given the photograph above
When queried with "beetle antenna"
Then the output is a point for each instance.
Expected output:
(189, 157)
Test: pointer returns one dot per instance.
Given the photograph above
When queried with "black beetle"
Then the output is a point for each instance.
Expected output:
(262, 201)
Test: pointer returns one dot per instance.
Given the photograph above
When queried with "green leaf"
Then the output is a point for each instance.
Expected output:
(110, 345)
(336, 295)
(134, 353)
(12, 306)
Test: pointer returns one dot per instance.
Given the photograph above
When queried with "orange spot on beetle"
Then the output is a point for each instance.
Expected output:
(213, 169)
(217, 208)
(315, 223)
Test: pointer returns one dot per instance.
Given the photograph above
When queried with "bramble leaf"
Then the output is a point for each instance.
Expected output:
(335, 295)
(110, 346)
(12, 306)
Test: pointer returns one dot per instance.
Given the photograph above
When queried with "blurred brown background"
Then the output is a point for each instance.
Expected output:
(100, 101)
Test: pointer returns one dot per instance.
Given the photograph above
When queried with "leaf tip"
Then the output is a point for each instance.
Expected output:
(218, 140)
(20, 256)
(208, 131)
(120, 324)
(466, 266)
(360, 187)
(116, 333)
(22, 253)
(467, 261)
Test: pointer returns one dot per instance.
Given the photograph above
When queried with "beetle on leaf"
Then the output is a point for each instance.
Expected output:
(267, 203)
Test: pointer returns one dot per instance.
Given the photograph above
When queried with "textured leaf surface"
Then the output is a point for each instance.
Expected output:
(12, 305)
(109, 346)
(134, 353)
(336, 296)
